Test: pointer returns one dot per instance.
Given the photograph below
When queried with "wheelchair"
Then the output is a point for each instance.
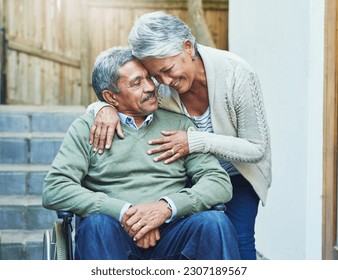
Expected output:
(59, 244)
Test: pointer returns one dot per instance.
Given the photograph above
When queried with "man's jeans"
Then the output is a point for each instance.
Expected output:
(242, 210)
(205, 235)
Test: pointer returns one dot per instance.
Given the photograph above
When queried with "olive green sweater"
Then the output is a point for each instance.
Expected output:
(84, 182)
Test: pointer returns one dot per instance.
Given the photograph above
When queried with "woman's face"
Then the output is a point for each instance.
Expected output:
(177, 71)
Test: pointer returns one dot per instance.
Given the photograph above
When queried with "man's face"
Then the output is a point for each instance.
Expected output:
(137, 96)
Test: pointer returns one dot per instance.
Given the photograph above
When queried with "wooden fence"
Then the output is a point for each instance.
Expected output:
(51, 45)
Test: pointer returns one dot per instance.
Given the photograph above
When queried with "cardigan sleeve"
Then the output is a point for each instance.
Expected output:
(245, 108)
(211, 184)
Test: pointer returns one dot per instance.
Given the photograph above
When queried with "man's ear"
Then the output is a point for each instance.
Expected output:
(110, 97)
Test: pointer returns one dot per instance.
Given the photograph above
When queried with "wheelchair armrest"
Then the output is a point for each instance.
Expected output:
(219, 207)
(64, 214)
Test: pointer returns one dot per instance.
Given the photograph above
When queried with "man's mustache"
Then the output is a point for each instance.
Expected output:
(150, 95)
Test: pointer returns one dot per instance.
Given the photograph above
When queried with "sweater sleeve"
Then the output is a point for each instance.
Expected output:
(95, 107)
(211, 184)
(63, 188)
(245, 106)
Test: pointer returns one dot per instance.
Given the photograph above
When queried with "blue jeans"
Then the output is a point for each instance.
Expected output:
(205, 235)
(242, 211)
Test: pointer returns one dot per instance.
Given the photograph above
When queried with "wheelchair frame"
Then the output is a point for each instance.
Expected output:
(58, 245)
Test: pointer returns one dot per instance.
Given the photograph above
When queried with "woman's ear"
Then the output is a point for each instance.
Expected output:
(110, 97)
(189, 48)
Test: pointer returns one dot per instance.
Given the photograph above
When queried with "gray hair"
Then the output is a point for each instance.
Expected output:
(159, 35)
(105, 73)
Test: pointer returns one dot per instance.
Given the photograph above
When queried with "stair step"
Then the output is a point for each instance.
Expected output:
(24, 213)
(24, 167)
(14, 109)
(36, 148)
(21, 245)
(30, 137)
(38, 118)
(32, 200)
(22, 236)
(22, 179)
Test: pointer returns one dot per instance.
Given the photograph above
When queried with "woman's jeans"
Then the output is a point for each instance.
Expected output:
(242, 211)
(205, 235)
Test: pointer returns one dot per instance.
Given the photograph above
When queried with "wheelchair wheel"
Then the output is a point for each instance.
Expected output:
(46, 246)
(61, 241)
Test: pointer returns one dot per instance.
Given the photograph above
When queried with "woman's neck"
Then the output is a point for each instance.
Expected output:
(196, 100)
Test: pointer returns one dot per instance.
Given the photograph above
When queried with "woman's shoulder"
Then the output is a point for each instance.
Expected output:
(229, 58)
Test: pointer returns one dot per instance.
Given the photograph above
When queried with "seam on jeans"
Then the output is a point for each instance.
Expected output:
(186, 256)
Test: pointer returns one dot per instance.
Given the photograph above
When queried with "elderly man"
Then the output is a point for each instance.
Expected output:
(131, 207)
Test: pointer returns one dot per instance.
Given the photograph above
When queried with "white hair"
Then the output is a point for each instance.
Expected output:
(159, 35)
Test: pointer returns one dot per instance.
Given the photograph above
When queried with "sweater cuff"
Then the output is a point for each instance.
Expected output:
(112, 207)
(183, 205)
(196, 140)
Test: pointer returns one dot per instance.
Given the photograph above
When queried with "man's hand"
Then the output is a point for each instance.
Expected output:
(103, 129)
(140, 219)
(173, 144)
(149, 239)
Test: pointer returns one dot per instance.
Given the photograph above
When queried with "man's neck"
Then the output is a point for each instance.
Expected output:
(133, 121)
(139, 120)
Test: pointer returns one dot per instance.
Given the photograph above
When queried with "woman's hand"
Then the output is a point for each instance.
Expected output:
(174, 144)
(103, 129)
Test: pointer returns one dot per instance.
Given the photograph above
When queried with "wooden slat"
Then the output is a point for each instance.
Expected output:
(2, 67)
(158, 4)
(85, 39)
(330, 133)
(2, 13)
(41, 53)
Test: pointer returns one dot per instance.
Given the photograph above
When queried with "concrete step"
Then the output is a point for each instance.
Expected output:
(38, 118)
(30, 137)
(22, 179)
(30, 147)
(21, 245)
(24, 213)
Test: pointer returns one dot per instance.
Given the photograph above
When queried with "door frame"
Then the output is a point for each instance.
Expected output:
(330, 138)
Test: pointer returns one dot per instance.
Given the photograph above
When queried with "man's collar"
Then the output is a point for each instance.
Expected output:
(130, 121)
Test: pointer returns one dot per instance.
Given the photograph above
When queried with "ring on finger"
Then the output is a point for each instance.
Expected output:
(172, 151)
(139, 224)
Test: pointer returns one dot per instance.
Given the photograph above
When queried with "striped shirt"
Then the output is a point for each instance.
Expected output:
(203, 123)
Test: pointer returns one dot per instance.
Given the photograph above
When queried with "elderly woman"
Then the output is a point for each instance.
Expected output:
(221, 93)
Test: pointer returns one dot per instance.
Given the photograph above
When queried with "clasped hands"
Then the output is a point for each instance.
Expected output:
(142, 222)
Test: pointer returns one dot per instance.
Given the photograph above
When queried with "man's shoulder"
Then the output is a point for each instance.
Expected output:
(83, 122)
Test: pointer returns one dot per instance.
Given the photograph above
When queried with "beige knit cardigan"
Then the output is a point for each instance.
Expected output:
(241, 133)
